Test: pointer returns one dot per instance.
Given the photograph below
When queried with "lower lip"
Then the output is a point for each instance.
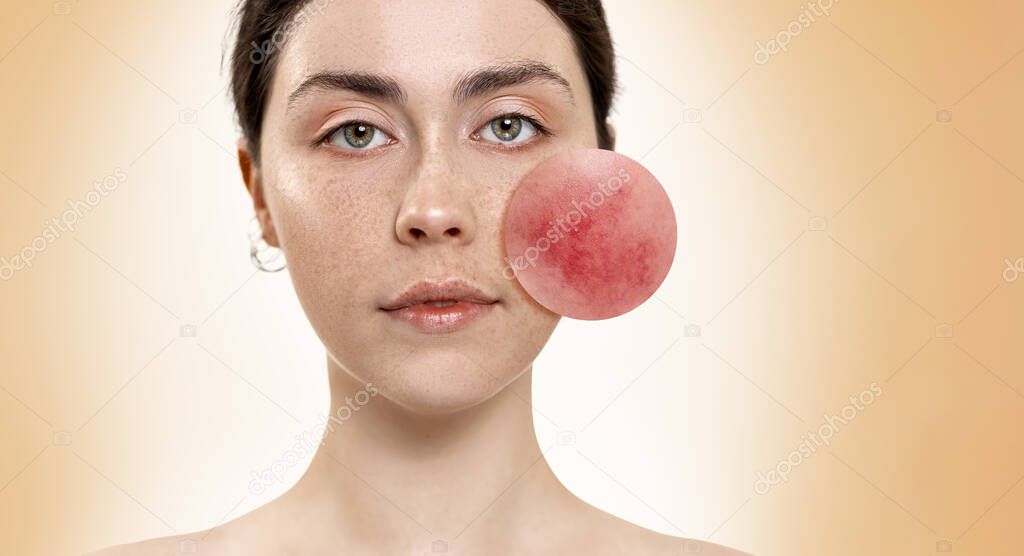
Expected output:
(430, 319)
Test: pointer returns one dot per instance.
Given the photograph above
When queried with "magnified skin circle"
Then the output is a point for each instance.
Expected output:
(590, 234)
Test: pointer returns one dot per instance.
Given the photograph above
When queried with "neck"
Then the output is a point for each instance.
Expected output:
(385, 472)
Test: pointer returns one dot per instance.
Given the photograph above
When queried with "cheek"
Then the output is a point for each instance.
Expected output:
(318, 206)
(590, 234)
(330, 226)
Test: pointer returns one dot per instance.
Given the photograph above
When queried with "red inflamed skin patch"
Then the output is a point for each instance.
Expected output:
(590, 234)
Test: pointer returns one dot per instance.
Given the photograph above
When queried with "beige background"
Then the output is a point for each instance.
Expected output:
(846, 210)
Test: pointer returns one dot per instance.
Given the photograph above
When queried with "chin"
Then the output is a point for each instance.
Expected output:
(438, 374)
(443, 382)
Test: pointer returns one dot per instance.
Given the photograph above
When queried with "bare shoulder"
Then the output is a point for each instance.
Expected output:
(621, 536)
(249, 534)
(683, 547)
(164, 546)
(651, 542)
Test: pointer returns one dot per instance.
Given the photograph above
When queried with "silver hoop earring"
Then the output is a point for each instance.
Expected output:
(263, 255)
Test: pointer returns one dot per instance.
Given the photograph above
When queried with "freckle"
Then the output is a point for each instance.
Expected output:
(590, 234)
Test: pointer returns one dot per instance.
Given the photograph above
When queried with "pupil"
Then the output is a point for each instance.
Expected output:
(506, 128)
(358, 135)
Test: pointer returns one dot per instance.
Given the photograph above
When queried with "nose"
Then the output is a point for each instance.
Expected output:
(436, 209)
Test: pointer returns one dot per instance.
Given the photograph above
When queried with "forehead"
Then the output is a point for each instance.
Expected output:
(425, 44)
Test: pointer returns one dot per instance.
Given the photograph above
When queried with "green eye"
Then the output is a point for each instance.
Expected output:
(357, 136)
(511, 129)
(507, 128)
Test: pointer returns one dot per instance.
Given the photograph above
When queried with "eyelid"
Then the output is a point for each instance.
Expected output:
(352, 115)
(508, 106)
(542, 131)
(527, 113)
(519, 106)
(336, 128)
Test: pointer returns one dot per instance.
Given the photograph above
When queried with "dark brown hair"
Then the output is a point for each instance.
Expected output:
(265, 25)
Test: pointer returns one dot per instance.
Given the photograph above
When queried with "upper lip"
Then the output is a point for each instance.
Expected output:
(452, 289)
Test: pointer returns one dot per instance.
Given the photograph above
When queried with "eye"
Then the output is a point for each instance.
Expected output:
(357, 136)
(511, 129)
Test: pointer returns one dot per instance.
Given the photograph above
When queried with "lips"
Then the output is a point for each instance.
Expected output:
(436, 307)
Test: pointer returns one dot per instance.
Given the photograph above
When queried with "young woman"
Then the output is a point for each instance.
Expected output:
(381, 144)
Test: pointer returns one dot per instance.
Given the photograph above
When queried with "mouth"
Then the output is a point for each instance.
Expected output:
(438, 307)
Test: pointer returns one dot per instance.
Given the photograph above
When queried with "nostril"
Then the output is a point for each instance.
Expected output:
(417, 233)
(430, 234)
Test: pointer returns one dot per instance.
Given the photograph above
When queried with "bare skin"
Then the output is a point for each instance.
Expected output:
(444, 449)
(390, 482)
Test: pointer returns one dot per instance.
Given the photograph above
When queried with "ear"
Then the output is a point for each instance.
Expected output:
(611, 134)
(254, 184)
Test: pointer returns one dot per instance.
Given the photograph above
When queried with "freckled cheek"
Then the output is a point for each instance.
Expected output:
(331, 225)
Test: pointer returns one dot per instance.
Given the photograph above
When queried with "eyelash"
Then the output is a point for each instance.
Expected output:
(324, 139)
(543, 131)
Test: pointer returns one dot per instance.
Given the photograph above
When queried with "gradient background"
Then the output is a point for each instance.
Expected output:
(846, 212)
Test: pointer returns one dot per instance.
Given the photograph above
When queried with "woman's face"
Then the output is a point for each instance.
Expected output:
(389, 157)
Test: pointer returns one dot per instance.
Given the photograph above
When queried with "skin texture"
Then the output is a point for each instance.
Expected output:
(590, 234)
(445, 449)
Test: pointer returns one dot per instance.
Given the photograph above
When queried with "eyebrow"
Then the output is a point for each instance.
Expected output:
(484, 80)
(492, 78)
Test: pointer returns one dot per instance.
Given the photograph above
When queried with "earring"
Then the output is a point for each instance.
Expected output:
(263, 255)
